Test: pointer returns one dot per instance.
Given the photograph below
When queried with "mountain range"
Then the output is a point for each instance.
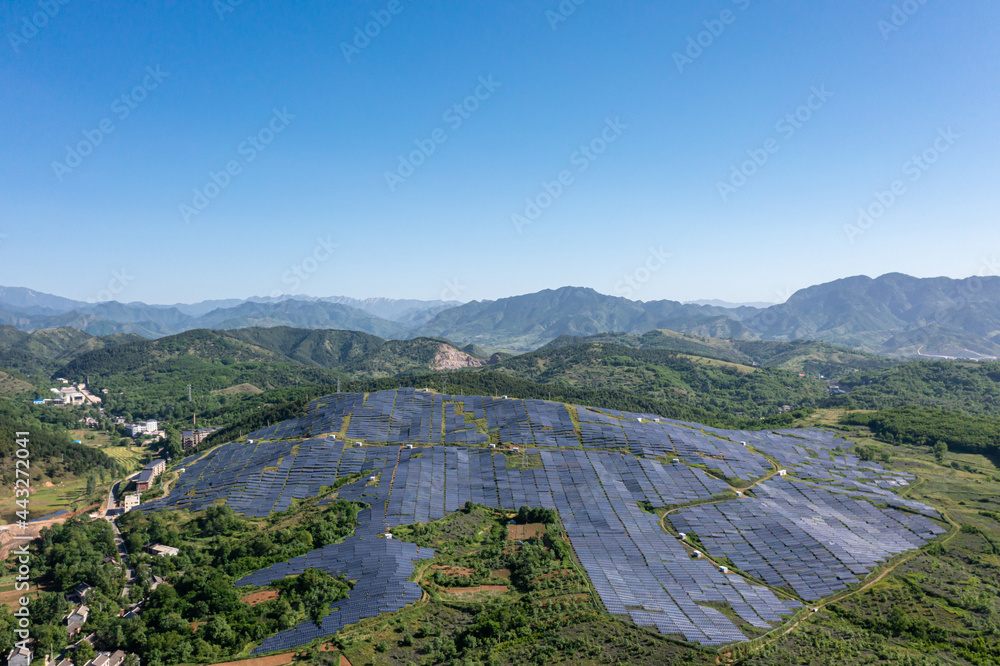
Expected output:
(895, 315)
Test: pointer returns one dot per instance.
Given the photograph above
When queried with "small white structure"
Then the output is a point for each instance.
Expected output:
(409, 446)
(388, 535)
(162, 551)
(696, 554)
(516, 449)
(639, 419)
(504, 397)
(782, 472)
(724, 570)
(132, 500)
(493, 446)
(739, 494)
(681, 536)
(361, 443)
(676, 460)
(372, 479)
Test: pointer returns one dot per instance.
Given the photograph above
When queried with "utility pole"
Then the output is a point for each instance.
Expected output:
(189, 393)
(338, 385)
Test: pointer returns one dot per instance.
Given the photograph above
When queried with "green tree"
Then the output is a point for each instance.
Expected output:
(83, 653)
(940, 449)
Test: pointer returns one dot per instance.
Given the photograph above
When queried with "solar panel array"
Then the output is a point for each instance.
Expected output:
(804, 537)
(380, 567)
(814, 537)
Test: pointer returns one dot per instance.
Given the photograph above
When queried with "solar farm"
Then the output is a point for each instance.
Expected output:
(810, 521)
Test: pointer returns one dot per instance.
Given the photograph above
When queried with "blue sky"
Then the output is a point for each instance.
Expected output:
(653, 135)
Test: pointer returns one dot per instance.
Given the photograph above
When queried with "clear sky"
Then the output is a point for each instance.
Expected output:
(116, 116)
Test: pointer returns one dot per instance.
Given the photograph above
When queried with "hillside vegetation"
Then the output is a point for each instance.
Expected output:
(808, 356)
(668, 376)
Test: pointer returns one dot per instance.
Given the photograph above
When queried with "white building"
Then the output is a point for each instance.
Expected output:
(131, 501)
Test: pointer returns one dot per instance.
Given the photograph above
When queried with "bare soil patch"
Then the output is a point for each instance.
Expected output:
(274, 660)
(259, 597)
(520, 532)
(453, 571)
(479, 588)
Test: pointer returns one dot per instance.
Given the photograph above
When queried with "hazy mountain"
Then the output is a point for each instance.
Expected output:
(726, 304)
(408, 311)
(30, 301)
(527, 322)
(203, 307)
(299, 314)
(153, 321)
(893, 314)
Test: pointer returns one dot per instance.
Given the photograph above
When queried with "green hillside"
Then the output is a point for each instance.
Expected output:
(669, 376)
(973, 388)
(808, 356)
(40, 352)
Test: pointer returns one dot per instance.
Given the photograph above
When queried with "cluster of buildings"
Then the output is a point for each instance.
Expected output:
(147, 477)
(68, 395)
(23, 657)
(192, 438)
(23, 653)
(148, 427)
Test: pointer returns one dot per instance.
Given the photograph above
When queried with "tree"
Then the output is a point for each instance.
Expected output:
(83, 653)
(91, 484)
(131, 660)
(940, 449)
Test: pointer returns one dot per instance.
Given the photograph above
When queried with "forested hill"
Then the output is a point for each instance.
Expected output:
(41, 352)
(51, 450)
(807, 356)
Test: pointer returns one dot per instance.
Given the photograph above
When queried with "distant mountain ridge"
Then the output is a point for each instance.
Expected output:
(893, 314)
